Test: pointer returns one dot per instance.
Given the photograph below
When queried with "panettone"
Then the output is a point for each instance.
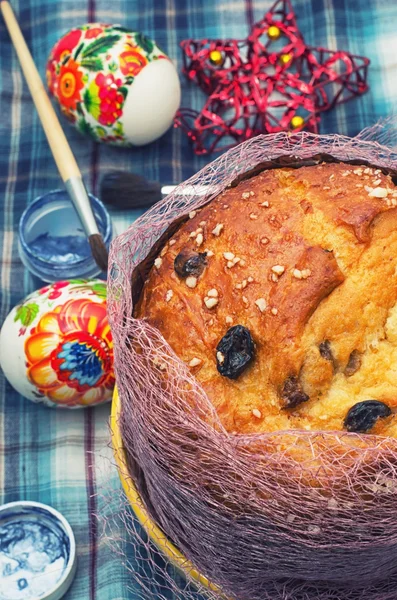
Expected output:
(280, 296)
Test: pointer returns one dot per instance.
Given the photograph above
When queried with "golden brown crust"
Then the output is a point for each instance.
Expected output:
(306, 260)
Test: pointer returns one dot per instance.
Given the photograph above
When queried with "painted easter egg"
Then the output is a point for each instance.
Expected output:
(56, 346)
(114, 84)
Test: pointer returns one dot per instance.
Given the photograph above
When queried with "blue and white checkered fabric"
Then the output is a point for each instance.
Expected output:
(51, 456)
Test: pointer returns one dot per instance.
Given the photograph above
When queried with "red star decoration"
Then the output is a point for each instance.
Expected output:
(269, 82)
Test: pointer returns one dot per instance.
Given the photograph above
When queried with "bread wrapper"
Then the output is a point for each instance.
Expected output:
(287, 515)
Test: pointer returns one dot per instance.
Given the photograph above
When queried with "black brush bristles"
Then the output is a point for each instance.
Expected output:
(128, 190)
(99, 251)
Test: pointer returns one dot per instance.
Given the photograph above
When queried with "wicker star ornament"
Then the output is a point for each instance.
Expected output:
(269, 82)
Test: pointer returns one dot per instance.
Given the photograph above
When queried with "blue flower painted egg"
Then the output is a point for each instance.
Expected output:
(56, 346)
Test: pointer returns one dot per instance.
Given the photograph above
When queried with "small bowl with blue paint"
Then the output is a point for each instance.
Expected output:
(52, 242)
(37, 552)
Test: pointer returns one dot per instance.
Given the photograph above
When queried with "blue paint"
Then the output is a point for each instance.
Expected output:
(22, 584)
(52, 243)
(34, 554)
(64, 249)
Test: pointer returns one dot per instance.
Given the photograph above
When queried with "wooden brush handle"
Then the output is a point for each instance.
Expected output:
(60, 148)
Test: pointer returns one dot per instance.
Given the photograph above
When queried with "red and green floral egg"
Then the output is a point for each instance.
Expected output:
(114, 84)
(56, 346)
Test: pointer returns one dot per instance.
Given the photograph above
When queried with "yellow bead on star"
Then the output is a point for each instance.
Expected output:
(216, 57)
(273, 33)
(297, 122)
(285, 59)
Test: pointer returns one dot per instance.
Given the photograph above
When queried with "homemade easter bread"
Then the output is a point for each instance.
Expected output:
(280, 297)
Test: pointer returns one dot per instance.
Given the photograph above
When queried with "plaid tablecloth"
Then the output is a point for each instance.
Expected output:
(53, 456)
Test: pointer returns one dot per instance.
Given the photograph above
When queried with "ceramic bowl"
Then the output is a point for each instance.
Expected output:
(155, 533)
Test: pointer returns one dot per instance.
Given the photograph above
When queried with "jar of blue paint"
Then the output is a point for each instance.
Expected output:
(37, 552)
(52, 242)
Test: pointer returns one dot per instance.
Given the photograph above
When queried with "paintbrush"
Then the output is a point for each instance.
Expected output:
(127, 190)
(63, 156)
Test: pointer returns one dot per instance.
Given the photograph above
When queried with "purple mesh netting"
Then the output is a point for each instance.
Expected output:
(290, 515)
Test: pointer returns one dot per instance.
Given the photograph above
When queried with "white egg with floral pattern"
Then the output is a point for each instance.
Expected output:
(114, 84)
(56, 346)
